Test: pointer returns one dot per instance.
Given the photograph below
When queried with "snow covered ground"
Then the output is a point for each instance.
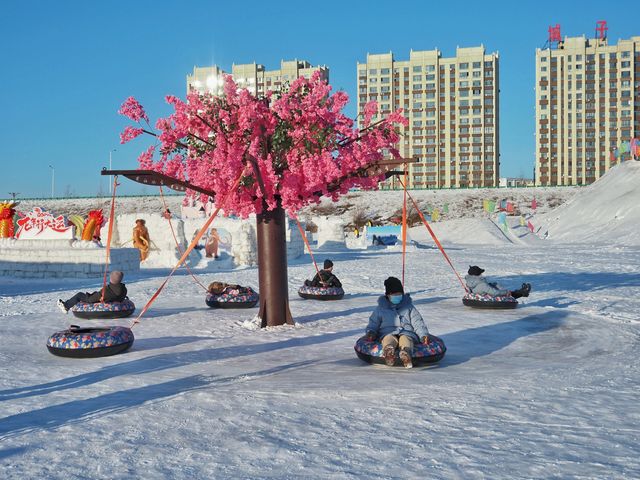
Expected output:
(548, 390)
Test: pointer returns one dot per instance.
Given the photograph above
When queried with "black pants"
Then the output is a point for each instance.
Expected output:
(78, 297)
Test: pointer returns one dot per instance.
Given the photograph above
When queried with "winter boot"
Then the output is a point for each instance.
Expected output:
(389, 354)
(60, 304)
(405, 357)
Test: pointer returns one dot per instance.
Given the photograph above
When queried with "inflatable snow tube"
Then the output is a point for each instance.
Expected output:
(370, 351)
(79, 342)
(103, 310)
(233, 299)
(321, 293)
(476, 300)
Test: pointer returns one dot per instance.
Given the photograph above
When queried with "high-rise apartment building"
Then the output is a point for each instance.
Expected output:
(587, 103)
(252, 76)
(452, 107)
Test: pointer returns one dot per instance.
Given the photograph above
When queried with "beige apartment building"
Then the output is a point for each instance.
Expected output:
(452, 107)
(587, 103)
(252, 76)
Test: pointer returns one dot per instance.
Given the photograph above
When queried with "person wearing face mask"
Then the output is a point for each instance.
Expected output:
(398, 323)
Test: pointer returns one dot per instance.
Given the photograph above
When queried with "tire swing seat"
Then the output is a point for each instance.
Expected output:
(94, 342)
(320, 293)
(371, 351)
(88, 311)
(476, 300)
(233, 299)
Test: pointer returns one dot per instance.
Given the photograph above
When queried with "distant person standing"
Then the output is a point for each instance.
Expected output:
(213, 241)
(141, 239)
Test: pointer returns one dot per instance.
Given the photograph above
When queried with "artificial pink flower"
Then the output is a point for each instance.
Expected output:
(288, 149)
(133, 110)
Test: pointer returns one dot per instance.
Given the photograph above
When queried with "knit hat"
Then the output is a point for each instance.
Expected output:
(475, 270)
(327, 264)
(393, 285)
(116, 276)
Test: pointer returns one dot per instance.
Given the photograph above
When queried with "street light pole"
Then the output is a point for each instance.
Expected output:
(53, 176)
(110, 152)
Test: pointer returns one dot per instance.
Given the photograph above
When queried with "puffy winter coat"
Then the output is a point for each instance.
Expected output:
(115, 292)
(401, 319)
(478, 284)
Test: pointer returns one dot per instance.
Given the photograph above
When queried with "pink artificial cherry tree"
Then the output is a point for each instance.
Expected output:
(288, 148)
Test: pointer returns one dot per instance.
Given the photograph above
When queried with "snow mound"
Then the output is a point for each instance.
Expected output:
(604, 212)
(464, 231)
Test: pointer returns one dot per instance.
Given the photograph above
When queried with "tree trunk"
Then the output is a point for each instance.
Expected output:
(272, 268)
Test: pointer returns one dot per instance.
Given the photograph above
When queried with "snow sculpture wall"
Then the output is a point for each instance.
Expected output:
(330, 231)
(163, 252)
(62, 259)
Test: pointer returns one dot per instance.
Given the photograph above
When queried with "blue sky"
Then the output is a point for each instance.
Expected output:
(66, 66)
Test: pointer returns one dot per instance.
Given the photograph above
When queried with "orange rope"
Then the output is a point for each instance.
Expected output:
(109, 235)
(435, 239)
(404, 224)
(175, 239)
(191, 246)
(304, 237)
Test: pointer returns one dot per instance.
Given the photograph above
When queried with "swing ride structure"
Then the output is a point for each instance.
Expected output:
(267, 156)
(271, 235)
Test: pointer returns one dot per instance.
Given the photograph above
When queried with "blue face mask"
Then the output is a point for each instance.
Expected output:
(395, 299)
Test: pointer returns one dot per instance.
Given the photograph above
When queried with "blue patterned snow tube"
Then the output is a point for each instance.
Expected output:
(246, 297)
(321, 293)
(103, 310)
(476, 300)
(90, 342)
(371, 351)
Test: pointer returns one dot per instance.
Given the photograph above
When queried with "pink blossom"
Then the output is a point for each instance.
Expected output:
(300, 142)
(145, 160)
(133, 110)
(129, 133)
(370, 109)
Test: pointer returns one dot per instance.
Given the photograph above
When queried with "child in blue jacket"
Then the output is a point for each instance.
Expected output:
(397, 322)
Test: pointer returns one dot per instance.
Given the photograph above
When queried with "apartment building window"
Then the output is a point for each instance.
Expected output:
(464, 66)
(417, 69)
(384, 71)
(362, 73)
(373, 71)
(478, 74)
